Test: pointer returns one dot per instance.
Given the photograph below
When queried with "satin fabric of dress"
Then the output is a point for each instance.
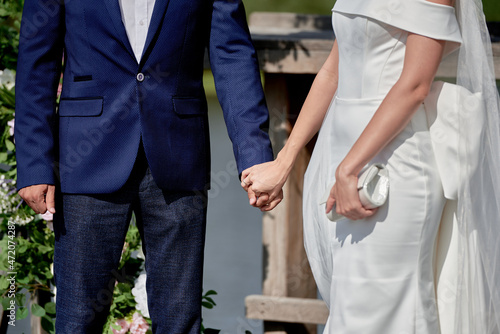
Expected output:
(376, 274)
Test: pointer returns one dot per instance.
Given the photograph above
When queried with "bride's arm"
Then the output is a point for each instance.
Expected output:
(422, 58)
(270, 177)
(313, 110)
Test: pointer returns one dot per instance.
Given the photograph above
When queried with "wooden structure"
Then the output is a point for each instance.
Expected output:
(292, 49)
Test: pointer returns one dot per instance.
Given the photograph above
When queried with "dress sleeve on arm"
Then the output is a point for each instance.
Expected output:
(421, 17)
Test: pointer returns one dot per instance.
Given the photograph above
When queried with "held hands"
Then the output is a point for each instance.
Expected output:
(264, 184)
(344, 194)
(39, 197)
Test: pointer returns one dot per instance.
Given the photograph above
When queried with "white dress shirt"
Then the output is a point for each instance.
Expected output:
(136, 16)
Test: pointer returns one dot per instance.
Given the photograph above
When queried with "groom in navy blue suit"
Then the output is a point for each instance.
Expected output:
(130, 135)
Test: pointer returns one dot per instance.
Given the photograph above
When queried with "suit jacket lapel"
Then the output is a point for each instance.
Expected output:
(156, 21)
(115, 13)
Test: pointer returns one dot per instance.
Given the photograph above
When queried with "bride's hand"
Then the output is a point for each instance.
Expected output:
(345, 194)
(266, 179)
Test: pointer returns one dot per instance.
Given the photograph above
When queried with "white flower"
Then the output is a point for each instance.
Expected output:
(140, 254)
(47, 216)
(141, 297)
(8, 78)
(11, 127)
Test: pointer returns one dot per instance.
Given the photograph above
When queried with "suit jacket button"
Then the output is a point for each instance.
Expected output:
(140, 77)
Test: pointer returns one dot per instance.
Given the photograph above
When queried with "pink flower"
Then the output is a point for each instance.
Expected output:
(138, 325)
(123, 324)
(59, 89)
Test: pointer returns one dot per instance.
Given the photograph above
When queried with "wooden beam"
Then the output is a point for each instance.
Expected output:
(299, 44)
(286, 309)
(286, 269)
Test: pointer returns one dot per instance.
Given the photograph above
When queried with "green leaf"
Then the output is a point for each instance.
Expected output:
(3, 156)
(22, 313)
(48, 274)
(21, 298)
(50, 308)
(4, 284)
(207, 305)
(115, 326)
(210, 300)
(22, 249)
(210, 292)
(48, 324)
(5, 302)
(37, 310)
(10, 145)
(120, 299)
(45, 249)
(24, 280)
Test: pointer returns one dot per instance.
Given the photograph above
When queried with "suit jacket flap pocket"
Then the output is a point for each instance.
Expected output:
(189, 106)
(81, 107)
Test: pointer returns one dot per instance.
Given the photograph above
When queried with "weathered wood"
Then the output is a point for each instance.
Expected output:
(292, 43)
(295, 43)
(496, 59)
(286, 309)
(303, 22)
(286, 269)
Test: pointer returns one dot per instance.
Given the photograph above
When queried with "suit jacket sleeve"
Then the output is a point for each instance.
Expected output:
(37, 78)
(237, 80)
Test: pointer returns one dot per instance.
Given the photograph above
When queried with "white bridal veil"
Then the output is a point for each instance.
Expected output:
(478, 210)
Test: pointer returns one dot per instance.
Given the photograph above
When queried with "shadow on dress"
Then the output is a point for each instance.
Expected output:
(360, 229)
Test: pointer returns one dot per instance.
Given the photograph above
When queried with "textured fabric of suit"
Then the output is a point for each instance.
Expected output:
(90, 231)
(109, 101)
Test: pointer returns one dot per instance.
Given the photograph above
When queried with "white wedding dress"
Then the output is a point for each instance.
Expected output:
(377, 275)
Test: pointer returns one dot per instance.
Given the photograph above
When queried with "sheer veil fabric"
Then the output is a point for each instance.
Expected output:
(468, 247)
(478, 205)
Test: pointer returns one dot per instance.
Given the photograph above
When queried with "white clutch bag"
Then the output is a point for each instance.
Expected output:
(373, 189)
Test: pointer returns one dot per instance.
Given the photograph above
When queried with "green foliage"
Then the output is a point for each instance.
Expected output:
(294, 6)
(491, 7)
(492, 10)
(207, 301)
(10, 24)
(7, 148)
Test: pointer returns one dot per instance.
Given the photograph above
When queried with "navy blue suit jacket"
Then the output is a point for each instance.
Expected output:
(109, 101)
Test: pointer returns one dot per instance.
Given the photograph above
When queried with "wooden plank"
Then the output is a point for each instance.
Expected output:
(286, 309)
(298, 43)
(286, 269)
(496, 59)
(290, 21)
(275, 223)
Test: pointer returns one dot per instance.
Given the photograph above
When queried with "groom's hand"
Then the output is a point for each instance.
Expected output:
(262, 200)
(39, 197)
(271, 203)
(256, 199)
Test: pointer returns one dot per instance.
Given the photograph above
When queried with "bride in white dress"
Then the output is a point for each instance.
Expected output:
(380, 270)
